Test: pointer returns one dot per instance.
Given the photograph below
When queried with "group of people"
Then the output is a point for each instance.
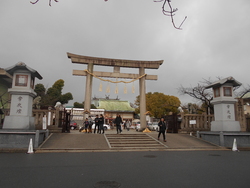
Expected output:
(99, 128)
(99, 121)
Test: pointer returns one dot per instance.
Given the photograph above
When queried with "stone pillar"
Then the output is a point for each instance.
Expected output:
(142, 98)
(88, 90)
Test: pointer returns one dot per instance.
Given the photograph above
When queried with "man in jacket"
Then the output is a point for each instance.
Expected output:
(97, 124)
(162, 129)
(101, 122)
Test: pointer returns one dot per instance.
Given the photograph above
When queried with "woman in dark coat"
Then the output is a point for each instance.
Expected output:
(162, 129)
(101, 122)
(118, 121)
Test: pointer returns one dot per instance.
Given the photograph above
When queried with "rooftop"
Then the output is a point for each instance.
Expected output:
(115, 105)
(229, 79)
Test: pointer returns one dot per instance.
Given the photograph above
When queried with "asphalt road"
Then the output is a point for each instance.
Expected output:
(159, 169)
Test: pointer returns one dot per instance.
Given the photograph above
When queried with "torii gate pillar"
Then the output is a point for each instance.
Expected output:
(142, 98)
(88, 90)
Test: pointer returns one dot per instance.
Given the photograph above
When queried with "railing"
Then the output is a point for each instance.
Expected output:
(195, 122)
(39, 114)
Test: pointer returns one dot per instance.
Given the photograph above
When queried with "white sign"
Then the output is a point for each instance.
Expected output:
(44, 123)
(49, 118)
(191, 122)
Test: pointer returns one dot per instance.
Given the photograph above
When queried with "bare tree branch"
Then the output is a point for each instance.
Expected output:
(39, 0)
(200, 93)
(164, 11)
(243, 91)
(170, 12)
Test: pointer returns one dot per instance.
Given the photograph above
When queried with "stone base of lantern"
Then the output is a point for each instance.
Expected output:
(19, 122)
(11, 138)
(226, 139)
(225, 126)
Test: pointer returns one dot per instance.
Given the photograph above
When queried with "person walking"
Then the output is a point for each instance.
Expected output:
(90, 123)
(118, 122)
(127, 124)
(101, 122)
(162, 129)
(96, 124)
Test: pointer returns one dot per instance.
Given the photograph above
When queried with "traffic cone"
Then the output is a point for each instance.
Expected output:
(146, 131)
(30, 149)
(235, 146)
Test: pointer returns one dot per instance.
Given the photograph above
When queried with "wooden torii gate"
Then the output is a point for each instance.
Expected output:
(116, 63)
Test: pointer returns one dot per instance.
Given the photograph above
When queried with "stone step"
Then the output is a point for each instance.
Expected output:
(128, 137)
(138, 148)
(124, 140)
(133, 142)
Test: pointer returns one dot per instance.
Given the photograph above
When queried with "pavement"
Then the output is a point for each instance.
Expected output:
(132, 140)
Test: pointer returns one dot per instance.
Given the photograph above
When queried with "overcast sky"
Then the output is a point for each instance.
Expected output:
(214, 41)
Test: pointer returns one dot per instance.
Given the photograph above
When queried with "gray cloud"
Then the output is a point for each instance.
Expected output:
(214, 41)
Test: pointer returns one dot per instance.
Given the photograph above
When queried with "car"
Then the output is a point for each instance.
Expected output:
(106, 126)
(153, 126)
(137, 126)
(73, 125)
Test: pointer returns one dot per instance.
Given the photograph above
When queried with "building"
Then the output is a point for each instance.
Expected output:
(246, 103)
(113, 107)
(78, 113)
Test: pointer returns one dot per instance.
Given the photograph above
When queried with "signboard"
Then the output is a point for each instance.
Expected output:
(44, 122)
(192, 122)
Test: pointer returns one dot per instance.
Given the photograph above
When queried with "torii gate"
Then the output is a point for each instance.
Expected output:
(116, 63)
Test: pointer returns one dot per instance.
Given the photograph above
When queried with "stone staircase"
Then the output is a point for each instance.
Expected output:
(133, 142)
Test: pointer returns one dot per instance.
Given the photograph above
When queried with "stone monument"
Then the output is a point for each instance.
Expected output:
(225, 128)
(224, 102)
(19, 127)
(22, 94)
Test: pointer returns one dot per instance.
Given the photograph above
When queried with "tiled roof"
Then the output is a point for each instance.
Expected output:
(229, 79)
(115, 105)
(246, 96)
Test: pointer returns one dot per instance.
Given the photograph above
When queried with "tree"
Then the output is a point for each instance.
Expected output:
(53, 94)
(159, 104)
(170, 12)
(243, 91)
(40, 89)
(205, 96)
(199, 92)
(78, 105)
(81, 105)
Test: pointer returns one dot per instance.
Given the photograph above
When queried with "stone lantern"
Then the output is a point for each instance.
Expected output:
(224, 105)
(22, 94)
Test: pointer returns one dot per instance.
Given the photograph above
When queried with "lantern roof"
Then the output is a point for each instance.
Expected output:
(221, 82)
(23, 66)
